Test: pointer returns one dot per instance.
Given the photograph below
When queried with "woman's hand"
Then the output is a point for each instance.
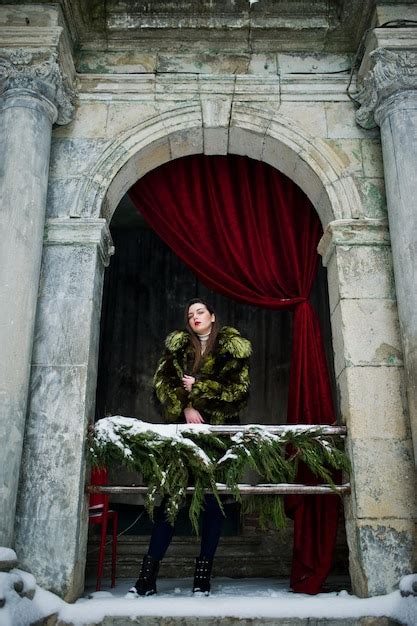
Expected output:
(188, 382)
(192, 416)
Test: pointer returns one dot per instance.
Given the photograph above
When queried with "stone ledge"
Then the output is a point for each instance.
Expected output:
(242, 87)
(80, 231)
(30, 36)
(356, 232)
(231, 621)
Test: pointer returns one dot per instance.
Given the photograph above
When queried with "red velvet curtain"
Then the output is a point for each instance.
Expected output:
(250, 233)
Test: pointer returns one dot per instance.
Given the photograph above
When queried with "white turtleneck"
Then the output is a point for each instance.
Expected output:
(203, 341)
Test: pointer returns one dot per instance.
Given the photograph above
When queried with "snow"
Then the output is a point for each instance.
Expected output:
(29, 581)
(48, 603)
(105, 428)
(408, 585)
(243, 598)
(195, 448)
(229, 455)
(239, 598)
(17, 610)
(7, 554)
(111, 429)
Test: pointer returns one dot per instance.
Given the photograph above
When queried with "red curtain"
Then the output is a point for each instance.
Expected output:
(250, 233)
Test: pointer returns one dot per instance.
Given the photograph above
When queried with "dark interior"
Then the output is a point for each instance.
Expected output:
(146, 287)
(145, 290)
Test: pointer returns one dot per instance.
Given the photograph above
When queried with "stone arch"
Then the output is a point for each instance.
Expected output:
(262, 135)
(360, 288)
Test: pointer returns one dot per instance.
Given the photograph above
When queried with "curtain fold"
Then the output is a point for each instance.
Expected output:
(310, 402)
(249, 233)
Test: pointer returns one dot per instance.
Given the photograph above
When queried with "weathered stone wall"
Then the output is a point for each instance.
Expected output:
(128, 125)
(51, 519)
(113, 104)
(33, 96)
(135, 113)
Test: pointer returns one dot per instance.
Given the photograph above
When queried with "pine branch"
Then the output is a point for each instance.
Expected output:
(170, 462)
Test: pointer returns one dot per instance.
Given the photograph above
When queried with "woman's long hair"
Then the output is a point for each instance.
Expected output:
(194, 337)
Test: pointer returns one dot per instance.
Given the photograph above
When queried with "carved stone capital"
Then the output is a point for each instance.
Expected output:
(37, 72)
(80, 232)
(392, 73)
(356, 232)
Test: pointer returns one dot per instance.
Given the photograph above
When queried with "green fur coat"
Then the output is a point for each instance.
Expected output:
(222, 381)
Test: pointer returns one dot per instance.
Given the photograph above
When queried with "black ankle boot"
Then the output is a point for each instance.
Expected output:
(146, 583)
(202, 575)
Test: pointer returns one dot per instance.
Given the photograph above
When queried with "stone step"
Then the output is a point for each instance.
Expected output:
(262, 602)
(147, 620)
(259, 554)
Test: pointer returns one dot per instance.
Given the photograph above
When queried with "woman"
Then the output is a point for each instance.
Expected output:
(203, 377)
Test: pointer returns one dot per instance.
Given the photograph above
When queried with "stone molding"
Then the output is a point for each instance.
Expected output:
(357, 232)
(278, 141)
(179, 87)
(37, 72)
(393, 73)
(188, 87)
(29, 99)
(80, 232)
(30, 37)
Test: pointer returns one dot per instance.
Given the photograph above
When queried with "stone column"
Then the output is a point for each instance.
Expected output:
(389, 99)
(381, 512)
(32, 98)
(51, 518)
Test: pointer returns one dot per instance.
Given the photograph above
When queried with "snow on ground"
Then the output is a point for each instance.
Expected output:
(16, 607)
(243, 598)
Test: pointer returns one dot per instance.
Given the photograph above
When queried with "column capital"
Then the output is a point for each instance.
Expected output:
(392, 77)
(37, 73)
(353, 232)
(80, 232)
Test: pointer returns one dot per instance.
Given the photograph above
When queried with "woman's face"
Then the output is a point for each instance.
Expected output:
(200, 319)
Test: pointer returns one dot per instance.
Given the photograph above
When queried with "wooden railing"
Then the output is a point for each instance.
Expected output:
(248, 489)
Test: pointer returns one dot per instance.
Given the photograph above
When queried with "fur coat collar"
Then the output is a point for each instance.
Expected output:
(222, 381)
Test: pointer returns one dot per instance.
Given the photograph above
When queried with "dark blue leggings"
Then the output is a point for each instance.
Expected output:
(163, 531)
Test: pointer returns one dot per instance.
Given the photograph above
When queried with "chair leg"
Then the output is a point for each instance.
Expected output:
(114, 550)
(101, 552)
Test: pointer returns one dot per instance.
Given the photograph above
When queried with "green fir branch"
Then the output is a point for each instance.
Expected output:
(270, 509)
(169, 464)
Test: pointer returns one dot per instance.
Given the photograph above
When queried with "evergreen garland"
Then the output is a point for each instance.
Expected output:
(170, 460)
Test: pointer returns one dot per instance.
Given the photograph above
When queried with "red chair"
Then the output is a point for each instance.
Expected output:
(99, 513)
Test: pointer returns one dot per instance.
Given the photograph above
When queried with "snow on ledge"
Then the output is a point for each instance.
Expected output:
(408, 585)
(246, 598)
(7, 554)
(105, 427)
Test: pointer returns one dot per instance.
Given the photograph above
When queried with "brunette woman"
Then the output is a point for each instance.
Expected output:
(203, 377)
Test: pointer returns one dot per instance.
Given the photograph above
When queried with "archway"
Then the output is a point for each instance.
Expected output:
(356, 252)
(271, 138)
(81, 245)
(136, 241)
(140, 295)
(291, 162)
